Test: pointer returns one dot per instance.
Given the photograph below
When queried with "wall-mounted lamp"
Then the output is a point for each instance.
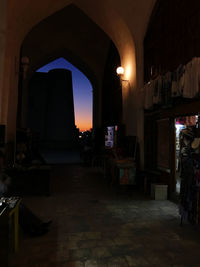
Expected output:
(120, 73)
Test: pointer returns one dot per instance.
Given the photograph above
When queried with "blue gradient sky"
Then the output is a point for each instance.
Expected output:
(82, 90)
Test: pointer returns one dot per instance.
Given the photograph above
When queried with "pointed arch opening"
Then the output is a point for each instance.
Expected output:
(82, 92)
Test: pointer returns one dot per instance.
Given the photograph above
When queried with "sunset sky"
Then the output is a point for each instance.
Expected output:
(82, 90)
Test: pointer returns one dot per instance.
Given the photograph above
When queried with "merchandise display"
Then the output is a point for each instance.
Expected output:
(189, 174)
(183, 82)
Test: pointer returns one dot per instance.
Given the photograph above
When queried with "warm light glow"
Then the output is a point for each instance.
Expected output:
(83, 120)
(128, 72)
(120, 70)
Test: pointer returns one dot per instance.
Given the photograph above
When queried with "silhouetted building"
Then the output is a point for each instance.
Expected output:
(51, 107)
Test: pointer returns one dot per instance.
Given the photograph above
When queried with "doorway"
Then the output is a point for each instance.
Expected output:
(181, 123)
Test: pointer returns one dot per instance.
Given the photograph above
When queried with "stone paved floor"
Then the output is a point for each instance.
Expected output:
(64, 156)
(93, 226)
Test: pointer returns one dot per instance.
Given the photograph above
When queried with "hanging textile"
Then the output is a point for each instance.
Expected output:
(190, 175)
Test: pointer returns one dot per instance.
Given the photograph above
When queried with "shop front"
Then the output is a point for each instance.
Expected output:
(172, 153)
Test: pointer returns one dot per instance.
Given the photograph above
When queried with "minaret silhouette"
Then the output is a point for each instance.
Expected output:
(52, 107)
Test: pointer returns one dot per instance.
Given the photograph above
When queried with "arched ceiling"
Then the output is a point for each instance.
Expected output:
(125, 22)
(68, 33)
(134, 13)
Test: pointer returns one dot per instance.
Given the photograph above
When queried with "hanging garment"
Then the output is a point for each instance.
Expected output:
(192, 78)
(174, 89)
(189, 161)
(181, 79)
(190, 121)
(176, 75)
(187, 133)
(157, 90)
(167, 85)
(148, 91)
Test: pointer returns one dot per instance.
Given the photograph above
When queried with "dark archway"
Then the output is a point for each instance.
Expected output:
(82, 92)
(71, 34)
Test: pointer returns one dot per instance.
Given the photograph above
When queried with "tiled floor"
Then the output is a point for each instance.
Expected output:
(64, 156)
(94, 226)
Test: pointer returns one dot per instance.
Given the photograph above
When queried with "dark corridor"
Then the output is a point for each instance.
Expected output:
(94, 226)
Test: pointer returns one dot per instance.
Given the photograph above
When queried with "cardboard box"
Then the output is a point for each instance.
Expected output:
(159, 191)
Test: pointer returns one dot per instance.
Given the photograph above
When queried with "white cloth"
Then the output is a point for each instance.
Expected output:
(192, 78)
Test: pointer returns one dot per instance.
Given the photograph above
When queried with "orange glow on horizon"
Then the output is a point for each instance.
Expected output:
(82, 92)
(83, 121)
(83, 128)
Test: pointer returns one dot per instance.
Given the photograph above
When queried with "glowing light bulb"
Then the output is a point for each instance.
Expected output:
(120, 70)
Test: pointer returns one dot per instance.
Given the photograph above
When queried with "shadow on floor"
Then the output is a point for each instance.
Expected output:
(94, 226)
(61, 156)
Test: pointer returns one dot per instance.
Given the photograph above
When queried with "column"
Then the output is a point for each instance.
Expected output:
(24, 93)
(3, 14)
